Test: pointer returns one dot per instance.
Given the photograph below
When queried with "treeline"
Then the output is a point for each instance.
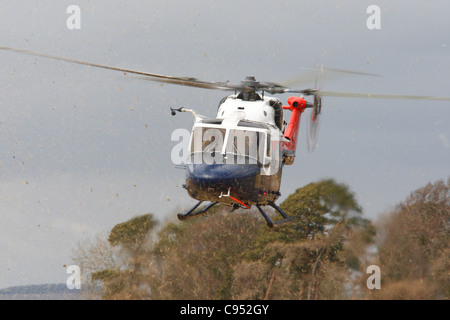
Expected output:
(323, 254)
(413, 250)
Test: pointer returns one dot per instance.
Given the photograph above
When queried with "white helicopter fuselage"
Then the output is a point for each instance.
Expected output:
(237, 154)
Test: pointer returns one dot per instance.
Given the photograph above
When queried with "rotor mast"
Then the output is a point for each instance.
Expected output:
(249, 86)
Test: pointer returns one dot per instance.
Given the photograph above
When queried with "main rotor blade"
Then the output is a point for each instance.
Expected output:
(265, 86)
(326, 74)
(373, 95)
(344, 71)
(185, 81)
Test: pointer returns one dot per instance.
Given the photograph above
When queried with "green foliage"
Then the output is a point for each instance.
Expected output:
(317, 206)
(105, 275)
(132, 233)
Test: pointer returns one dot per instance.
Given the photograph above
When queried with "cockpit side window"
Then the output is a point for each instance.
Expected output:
(277, 105)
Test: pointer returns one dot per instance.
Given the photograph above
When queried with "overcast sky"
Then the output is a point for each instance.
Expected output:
(83, 149)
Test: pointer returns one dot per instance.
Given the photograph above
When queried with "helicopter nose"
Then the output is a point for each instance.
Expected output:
(217, 182)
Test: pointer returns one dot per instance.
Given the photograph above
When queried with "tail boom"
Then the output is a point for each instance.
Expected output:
(297, 105)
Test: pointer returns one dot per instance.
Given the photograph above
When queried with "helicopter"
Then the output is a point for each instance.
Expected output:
(237, 158)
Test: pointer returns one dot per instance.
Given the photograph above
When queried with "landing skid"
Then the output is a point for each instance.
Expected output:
(192, 213)
(271, 223)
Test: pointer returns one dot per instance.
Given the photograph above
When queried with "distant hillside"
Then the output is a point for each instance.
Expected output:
(40, 292)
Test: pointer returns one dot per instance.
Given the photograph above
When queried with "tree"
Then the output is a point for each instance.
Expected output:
(125, 277)
(296, 256)
(414, 253)
(316, 208)
(197, 256)
(133, 233)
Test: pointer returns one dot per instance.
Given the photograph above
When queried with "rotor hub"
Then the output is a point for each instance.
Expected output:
(250, 82)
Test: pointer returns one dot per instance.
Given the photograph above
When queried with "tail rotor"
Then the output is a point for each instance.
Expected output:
(313, 124)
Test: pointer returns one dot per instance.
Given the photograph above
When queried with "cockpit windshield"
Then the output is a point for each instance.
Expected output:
(244, 143)
(218, 145)
(207, 139)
